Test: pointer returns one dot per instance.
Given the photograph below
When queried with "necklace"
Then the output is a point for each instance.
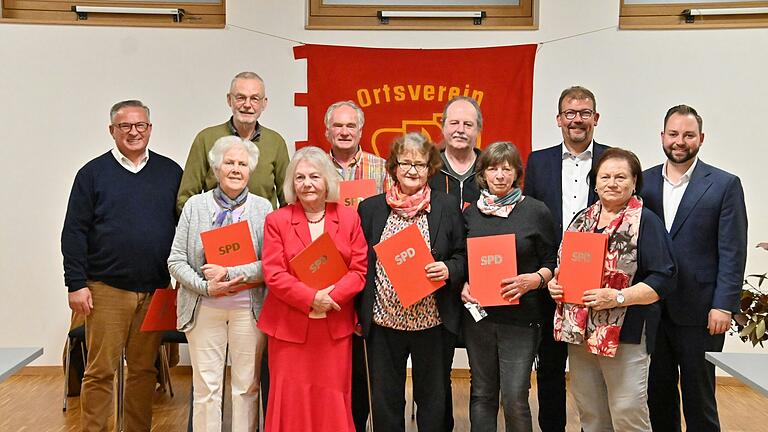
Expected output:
(316, 220)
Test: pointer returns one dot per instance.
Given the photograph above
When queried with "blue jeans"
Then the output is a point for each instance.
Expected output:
(500, 359)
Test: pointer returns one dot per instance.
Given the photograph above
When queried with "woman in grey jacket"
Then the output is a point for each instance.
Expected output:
(212, 308)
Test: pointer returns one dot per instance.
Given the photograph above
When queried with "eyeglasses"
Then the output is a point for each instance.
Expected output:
(406, 166)
(241, 99)
(140, 126)
(584, 114)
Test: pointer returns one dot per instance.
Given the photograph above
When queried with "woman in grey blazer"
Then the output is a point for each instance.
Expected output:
(213, 309)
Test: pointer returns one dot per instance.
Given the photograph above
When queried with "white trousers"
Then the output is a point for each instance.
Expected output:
(213, 330)
(611, 393)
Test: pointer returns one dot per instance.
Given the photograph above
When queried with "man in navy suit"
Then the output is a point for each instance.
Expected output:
(704, 212)
(558, 176)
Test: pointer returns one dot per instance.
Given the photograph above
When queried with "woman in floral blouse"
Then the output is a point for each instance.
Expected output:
(612, 334)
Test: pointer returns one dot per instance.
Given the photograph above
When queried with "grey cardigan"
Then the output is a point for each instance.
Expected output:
(187, 256)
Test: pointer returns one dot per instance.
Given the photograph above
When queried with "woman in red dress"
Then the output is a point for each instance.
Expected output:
(310, 331)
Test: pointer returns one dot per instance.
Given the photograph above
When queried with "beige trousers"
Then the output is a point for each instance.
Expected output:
(213, 330)
(611, 393)
(113, 324)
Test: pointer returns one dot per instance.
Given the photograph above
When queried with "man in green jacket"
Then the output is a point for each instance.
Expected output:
(248, 100)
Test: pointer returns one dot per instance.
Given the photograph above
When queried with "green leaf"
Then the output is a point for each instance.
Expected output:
(748, 329)
(760, 329)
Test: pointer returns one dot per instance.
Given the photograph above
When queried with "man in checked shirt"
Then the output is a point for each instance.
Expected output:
(343, 128)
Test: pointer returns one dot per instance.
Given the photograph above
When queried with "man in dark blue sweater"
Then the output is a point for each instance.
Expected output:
(116, 239)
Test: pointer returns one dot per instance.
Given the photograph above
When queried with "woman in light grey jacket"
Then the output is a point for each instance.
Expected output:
(212, 308)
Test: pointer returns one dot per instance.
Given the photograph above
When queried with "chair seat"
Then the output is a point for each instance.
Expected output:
(174, 336)
(77, 333)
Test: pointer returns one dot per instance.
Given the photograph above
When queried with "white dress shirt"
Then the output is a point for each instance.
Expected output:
(673, 193)
(127, 164)
(575, 183)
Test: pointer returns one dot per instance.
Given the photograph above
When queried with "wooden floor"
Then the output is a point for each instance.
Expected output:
(33, 402)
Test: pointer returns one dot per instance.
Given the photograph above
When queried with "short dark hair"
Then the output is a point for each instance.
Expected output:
(625, 155)
(684, 110)
(576, 92)
(495, 154)
(421, 144)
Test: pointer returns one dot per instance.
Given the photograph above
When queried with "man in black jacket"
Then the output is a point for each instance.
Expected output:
(462, 123)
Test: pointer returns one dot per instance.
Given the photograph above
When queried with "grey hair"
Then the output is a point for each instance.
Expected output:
(349, 103)
(245, 75)
(222, 146)
(322, 162)
(133, 103)
(469, 100)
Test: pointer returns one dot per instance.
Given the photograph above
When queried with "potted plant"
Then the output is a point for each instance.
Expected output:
(752, 321)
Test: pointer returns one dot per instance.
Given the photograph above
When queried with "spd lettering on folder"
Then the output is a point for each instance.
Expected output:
(230, 246)
(581, 264)
(404, 256)
(320, 264)
(351, 192)
(491, 259)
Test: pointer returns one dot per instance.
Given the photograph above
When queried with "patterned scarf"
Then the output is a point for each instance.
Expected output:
(494, 206)
(600, 330)
(408, 206)
(228, 205)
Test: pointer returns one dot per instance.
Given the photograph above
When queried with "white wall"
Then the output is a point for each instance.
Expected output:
(58, 82)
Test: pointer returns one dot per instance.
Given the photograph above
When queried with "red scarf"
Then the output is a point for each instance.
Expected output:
(408, 206)
(600, 330)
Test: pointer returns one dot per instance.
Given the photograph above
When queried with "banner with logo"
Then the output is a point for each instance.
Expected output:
(405, 90)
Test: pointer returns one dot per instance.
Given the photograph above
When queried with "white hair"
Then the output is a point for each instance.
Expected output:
(320, 160)
(223, 144)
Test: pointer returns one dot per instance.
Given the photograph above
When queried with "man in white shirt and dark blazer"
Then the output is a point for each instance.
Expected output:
(703, 209)
(559, 176)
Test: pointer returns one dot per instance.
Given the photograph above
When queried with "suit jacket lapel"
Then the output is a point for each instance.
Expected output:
(597, 151)
(655, 198)
(699, 184)
(556, 168)
(300, 224)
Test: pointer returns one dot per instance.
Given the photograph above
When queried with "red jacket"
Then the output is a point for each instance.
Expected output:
(285, 314)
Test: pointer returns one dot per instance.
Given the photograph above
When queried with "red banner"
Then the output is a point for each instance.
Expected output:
(405, 90)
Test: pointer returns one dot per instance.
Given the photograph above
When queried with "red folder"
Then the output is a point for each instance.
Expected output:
(404, 256)
(161, 314)
(581, 264)
(230, 246)
(320, 264)
(351, 192)
(491, 259)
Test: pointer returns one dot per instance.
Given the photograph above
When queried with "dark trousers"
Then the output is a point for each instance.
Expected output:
(264, 377)
(550, 380)
(431, 353)
(679, 355)
(360, 406)
(500, 359)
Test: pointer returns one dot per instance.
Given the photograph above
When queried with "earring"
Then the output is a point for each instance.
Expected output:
(595, 189)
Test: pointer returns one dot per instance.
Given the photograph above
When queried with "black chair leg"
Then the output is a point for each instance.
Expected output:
(68, 350)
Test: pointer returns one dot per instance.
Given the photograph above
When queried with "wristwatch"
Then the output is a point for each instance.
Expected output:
(620, 298)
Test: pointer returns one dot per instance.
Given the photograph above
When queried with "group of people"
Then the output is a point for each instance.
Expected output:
(336, 358)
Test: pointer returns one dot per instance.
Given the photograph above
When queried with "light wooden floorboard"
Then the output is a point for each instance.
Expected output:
(33, 402)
